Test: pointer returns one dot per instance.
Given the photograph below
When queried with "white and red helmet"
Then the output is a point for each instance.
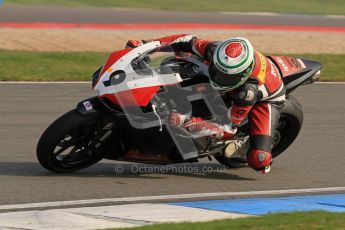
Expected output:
(233, 62)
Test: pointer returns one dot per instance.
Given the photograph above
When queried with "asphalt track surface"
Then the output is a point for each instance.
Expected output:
(315, 160)
(17, 13)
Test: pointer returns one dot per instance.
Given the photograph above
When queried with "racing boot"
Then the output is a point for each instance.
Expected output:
(237, 148)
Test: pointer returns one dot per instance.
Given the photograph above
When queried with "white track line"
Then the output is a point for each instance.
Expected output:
(329, 83)
(250, 13)
(335, 16)
(89, 82)
(104, 217)
(281, 14)
(170, 197)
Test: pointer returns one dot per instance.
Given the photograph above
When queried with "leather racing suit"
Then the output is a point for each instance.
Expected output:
(260, 98)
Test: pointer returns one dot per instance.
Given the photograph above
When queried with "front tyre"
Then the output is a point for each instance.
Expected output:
(74, 142)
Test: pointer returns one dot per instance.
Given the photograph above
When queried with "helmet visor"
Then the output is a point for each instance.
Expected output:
(228, 81)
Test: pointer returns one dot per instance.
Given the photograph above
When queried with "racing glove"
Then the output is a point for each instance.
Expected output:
(134, 43)
(200, 127)
(176, 119)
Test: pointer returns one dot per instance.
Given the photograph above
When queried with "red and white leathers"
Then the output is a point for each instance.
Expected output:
(260, 98)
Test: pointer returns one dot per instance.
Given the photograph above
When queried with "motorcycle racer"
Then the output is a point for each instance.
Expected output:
(244, 75)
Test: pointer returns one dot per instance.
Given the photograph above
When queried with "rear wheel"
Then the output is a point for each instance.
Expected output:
(289, 126)
(74, 142)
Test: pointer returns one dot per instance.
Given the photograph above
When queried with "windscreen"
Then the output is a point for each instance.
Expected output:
(146, 73)
(160, 60)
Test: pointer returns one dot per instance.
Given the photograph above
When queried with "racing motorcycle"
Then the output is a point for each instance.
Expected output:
(137, 88)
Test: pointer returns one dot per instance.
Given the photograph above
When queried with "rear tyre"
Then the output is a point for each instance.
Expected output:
(289, 126)
(74, 142)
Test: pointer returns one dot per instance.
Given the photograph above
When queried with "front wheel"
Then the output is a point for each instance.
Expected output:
(74, 142)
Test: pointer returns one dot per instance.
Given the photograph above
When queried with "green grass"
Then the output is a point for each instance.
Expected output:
(333, 65)
(281, 6)
(77, 66)
(49, 66)
(283, 221)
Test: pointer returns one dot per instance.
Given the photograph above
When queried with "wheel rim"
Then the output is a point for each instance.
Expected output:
(276, 138)
(83, 144)
(280, 133)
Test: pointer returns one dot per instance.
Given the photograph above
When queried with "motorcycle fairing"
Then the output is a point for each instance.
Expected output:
(134, 97)
(124, 86)
(296, 71)
(287, 65)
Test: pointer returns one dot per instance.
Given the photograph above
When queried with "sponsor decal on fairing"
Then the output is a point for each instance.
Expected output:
(87, 105)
